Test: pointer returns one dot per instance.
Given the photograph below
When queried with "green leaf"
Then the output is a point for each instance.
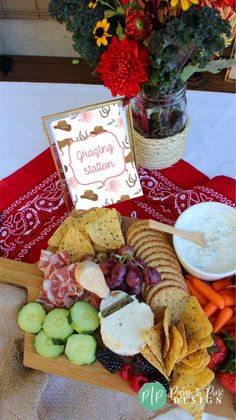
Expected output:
(230, 344)
(229, 365)
(212, 67)
(75, 61)
(110, 13)
(120, 10)
(119, 31)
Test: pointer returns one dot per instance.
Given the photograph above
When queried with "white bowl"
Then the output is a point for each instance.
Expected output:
(194, 218)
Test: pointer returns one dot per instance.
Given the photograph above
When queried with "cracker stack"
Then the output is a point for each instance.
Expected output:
(155, 249)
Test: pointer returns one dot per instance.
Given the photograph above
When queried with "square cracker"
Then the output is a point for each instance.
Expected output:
(76, 244)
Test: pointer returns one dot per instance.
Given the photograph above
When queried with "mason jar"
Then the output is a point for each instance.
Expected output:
(158, 116)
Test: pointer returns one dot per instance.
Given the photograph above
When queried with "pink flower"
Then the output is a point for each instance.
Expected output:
(86, 116)
(119, 122)
(72, 182)
(113, 185)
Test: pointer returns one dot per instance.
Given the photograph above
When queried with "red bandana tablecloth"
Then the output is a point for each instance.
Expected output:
(32, 204)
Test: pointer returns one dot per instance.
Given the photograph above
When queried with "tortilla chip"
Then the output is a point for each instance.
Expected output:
(151, 358)
(196, 324)
(106, 231)
(56, 238)
(76, 244)
(166, 323)
(181, 330)
(195, 359)
(195, 405)
(154, 338)
(176, 343)
(194, 345)
(192, 382)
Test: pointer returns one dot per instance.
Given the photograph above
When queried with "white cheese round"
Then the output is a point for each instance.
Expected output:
(123, 331)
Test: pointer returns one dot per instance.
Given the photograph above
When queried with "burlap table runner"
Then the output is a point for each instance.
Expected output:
(27, 394)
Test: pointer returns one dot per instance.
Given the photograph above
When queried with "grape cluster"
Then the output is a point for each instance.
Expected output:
(123, 271)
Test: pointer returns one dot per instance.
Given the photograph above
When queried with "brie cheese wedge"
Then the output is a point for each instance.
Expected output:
(123, 331)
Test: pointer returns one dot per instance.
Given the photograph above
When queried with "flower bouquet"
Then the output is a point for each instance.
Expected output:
(146, 50)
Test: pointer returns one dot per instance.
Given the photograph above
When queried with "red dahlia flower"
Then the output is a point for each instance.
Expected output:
(124, 67)
(138, 25)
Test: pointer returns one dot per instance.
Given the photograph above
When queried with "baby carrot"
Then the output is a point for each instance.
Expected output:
(221, 284)
(201, 299)
(228, 300)
(222, 318)
(209, 293)
(231, 321)
(209, 309)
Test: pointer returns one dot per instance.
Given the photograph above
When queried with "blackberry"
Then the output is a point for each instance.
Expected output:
(143, 366)
(110, 361)
(158, 377)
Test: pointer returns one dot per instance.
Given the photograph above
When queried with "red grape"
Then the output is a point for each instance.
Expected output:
(94, 300)
(140, 262)
(107, 265)
(114, 284)
(126, 250)
(87, 257)
(151, 276)
(118, 272)
(136, 290)
(133, 277)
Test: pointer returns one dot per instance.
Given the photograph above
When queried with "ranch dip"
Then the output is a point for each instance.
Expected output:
(219, 232)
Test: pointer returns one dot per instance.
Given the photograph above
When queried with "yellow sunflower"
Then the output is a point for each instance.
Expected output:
(100, 32)
(92, 4)
(185, 4)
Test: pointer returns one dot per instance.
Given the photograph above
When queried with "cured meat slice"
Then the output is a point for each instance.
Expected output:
(59, 288)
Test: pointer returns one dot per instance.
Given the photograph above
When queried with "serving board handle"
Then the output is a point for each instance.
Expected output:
(19, 273)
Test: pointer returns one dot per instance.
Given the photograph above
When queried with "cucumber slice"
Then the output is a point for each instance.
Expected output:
(84, 317)
(31, 316)
(45, 347)
(80, 349)
(56, 324)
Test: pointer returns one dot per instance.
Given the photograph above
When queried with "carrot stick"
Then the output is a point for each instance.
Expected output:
(209, 293)
(189, 276)
(229, 292)
(222, 318)
(209, 309)
(221, 284)
(228, 300)
(201, 299)
(231, 321)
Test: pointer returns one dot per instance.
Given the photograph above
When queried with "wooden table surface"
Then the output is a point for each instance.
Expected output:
(30, 277)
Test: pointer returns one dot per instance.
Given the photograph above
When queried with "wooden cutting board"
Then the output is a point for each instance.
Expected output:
(30, 277)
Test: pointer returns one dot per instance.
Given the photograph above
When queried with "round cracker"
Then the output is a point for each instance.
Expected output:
(147, 233)
(163, 283)
(134, 227)
(174, 276)
(146, 238)
(156, 252)
(158, 243)
(160, 262)
(173, 297)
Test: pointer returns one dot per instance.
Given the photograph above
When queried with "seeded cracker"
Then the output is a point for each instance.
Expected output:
(172, 356)
(106, 231)
(61, 231)
(76, 244)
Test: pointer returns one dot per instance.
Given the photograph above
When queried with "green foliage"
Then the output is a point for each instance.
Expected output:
(192, 38)
(80, 20)
(212, 67)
